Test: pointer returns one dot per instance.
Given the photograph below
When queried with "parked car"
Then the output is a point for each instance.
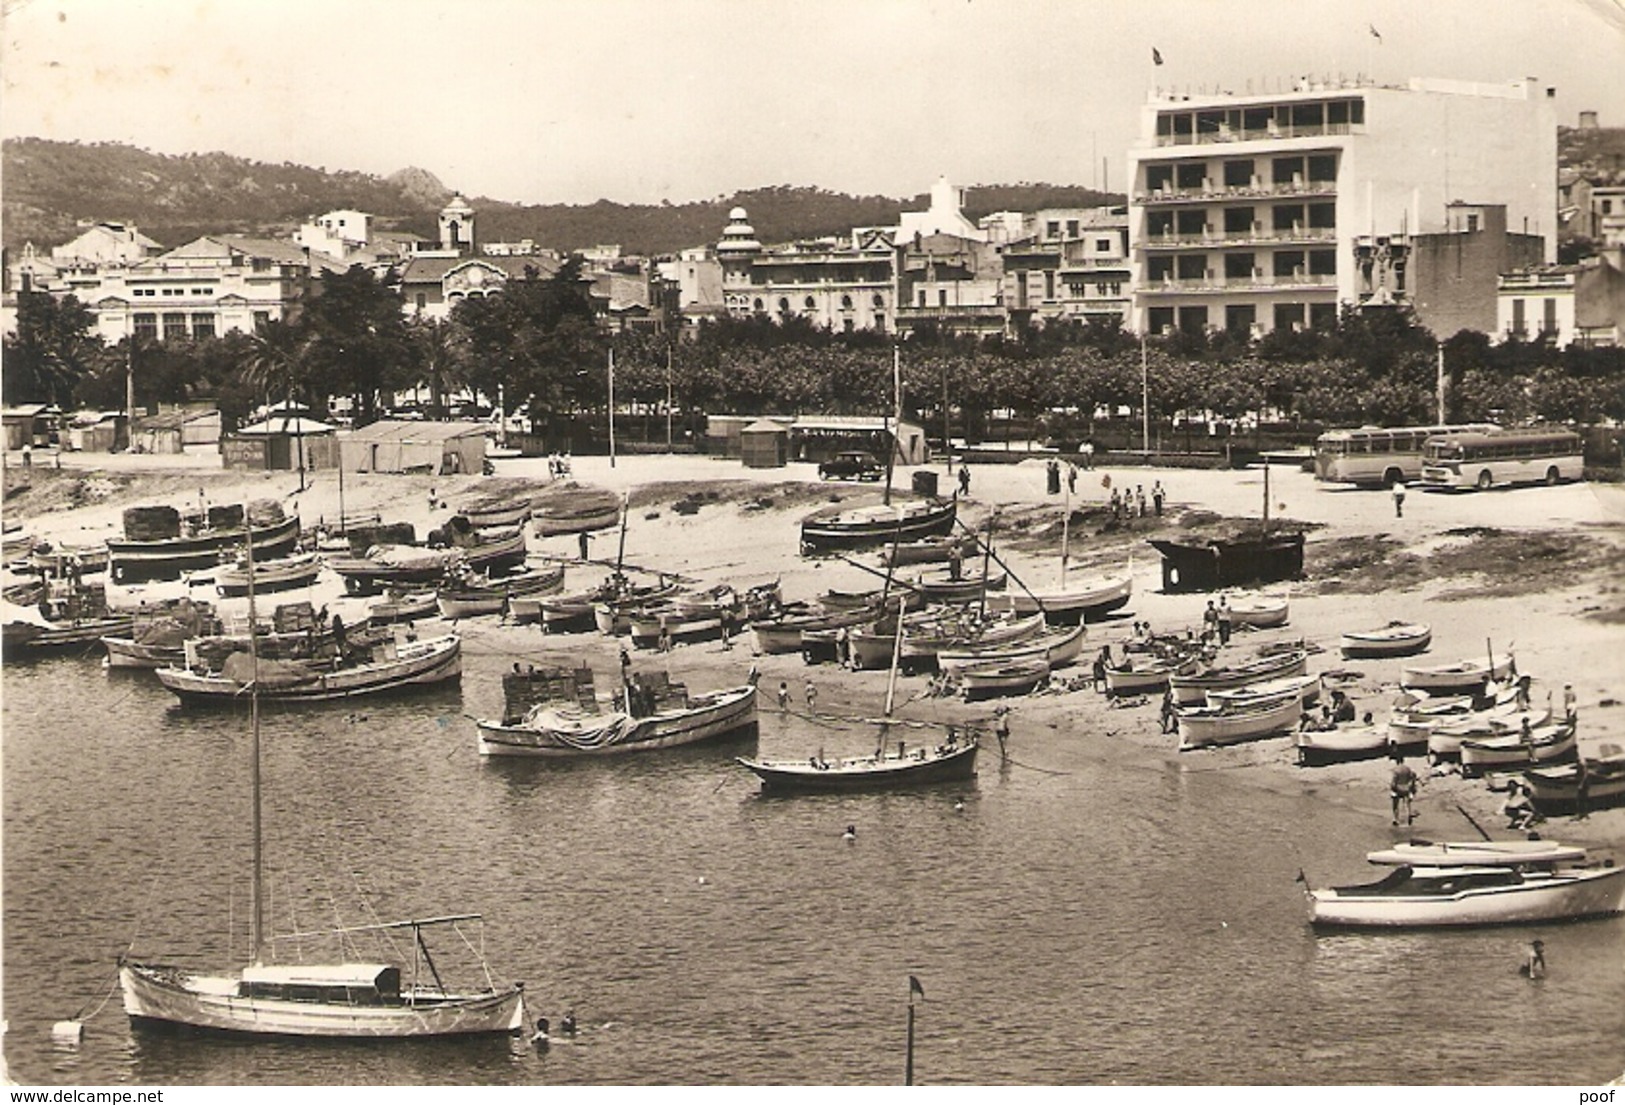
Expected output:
(852, 465)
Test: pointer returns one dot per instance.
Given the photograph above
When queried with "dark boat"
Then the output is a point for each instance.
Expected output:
(167, 558)
(953, 761)
(848, 527)
(1206, 565)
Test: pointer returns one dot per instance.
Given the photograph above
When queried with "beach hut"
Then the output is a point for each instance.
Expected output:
(764, 444)
(283, 441)
(435, 448)
(30, 423)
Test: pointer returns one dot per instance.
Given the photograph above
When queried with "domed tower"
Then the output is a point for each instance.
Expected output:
(735, 252)
(457, 226)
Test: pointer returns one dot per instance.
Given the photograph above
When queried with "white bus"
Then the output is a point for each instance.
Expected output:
(1380, 457)
(1507, 456)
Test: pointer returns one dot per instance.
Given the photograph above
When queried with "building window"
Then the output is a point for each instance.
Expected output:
(202, 326)
(175, 327)
(1323, 216)
(1238, 174)
(200, 291)
(1323, 262)
(1289, 316)
(1072, 228)
(422, 300)
(1288, 262)
(1548, 324)
(1191, 175)
(879, 302)
(1191, 266)
(784, 306)
(1192, 224)
(809, 304)
(1103, 245)
(1239, 317)
(146, 327)
(847, 325)
(942, 297)
(1323, 168)
(846, 303)
(262, 319)
(1288, 170)
(1160, 319)
(1472, 223)
(1160, 269)
(261, 264)
(1159, 178)
(1238, 266)
(1052, 229)
(1238, 221)
(1517, 317)
(880, 322)
(1159, 224)
(1049, 285)
(1193, 320)
(757, 306)
(1323, 316)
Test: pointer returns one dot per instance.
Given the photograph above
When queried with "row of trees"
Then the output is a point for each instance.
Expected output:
(538, 343)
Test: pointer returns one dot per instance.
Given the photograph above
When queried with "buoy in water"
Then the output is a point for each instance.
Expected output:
(68, 1032)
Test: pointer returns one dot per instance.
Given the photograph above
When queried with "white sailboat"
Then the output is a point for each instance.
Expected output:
(329, 1000)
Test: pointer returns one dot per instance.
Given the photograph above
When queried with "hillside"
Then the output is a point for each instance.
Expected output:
(1597, 153)
(51, 186)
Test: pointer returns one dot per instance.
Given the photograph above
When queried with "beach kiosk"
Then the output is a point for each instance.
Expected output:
(764, 444)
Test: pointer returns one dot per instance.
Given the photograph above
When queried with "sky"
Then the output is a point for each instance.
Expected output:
(639, 101)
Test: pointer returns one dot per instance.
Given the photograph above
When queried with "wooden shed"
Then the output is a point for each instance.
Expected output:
(764, 444)
(282, 442)
(435, 448)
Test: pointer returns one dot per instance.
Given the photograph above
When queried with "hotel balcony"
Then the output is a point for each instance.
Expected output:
(1221, 193)
(964, 311)
(1262, 283)
(1275, 132)
(1218, 239)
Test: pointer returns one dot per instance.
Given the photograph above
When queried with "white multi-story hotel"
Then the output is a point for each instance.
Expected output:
(1253, 212)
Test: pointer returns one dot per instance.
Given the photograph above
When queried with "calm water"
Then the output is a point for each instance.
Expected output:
(1105, 922)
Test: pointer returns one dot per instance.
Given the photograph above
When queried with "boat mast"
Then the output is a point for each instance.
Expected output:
(1266, 496)
(1066, 531)
(889, 432)
(256, 900)
(987, 555)
(620, 553)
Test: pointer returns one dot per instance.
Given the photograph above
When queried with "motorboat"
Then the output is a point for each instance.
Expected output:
(1473, 894)
(398, 663)
(651, 714)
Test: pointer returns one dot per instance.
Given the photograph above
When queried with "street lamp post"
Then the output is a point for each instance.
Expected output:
(612, 408)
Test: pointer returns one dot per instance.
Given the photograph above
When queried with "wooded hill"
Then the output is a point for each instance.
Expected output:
(51, 186)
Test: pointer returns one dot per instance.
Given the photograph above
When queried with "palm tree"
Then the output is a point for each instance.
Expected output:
(438, 355)
(274, 360)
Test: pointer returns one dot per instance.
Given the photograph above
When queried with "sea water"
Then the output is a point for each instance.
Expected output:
(1076, 914)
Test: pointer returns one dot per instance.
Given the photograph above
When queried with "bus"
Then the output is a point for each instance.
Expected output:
(1484, 460)
(1380, 457)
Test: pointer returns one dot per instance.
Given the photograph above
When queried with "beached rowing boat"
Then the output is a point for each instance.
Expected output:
(1393, 639)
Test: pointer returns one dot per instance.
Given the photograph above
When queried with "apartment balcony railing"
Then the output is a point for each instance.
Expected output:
(1273, 133)
(1218, 239)
(975, 310)
(1216, 193)
(1259, 283)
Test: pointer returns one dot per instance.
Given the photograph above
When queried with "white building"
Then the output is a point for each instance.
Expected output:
(1246, 211)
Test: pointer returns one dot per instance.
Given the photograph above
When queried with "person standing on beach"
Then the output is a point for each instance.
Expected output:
(1402, 788)
(1534, 965)
(1170, 720)
(584, 537)
(1571, 710)
(1224, 621)
(1399, 498)
(1210, 622)
(784, 695)
(1072, 478)
(1089, 454)
(1157, 495)
(964, 480)
(812, 696)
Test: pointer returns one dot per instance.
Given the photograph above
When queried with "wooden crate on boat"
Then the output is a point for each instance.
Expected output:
(522, 691)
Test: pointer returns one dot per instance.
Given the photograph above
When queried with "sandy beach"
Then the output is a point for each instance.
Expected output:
(1534, 569)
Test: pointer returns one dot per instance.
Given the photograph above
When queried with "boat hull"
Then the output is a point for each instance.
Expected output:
(1461, 677)
(871, 774)
(491, 598)
(559, 525)
(836, 529)
(1058, 649)
(270, 576)
(1379, 644)
(1202, 728)
(730, 711)
(1013, 678)
(144, 561)
(126, 652)
(1564, 896)
(21, 640)
(161, 996)
(1072, 606)
(420, 663)
(1191, 690)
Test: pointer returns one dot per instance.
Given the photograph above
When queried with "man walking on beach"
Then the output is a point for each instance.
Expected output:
(812, 696)
(964, 480)
(1399, 498)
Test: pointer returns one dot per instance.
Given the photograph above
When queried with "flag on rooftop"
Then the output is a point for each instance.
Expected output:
(1156, 56)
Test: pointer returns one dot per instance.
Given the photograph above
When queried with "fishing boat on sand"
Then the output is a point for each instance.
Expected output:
(159, 544)
(1558, 788)
(1259, 611)
(1192, 689)
(373, 1000)
(855, 527)
(285, 574)
(1002, 677)
(469, 596)
(59, 618)
(1394, 639)
(576, 509)
(1458, 677)
(1445, 736)
(1306, 688)
(650, 712)
(943, 587)
(929, 550)
(1544, 744)
(1471, 894)
(1203, 726)
(158, 635)
(1088, 601)
(1057, 648)
(402, 605)
(1140, 676)
(1354, 742)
